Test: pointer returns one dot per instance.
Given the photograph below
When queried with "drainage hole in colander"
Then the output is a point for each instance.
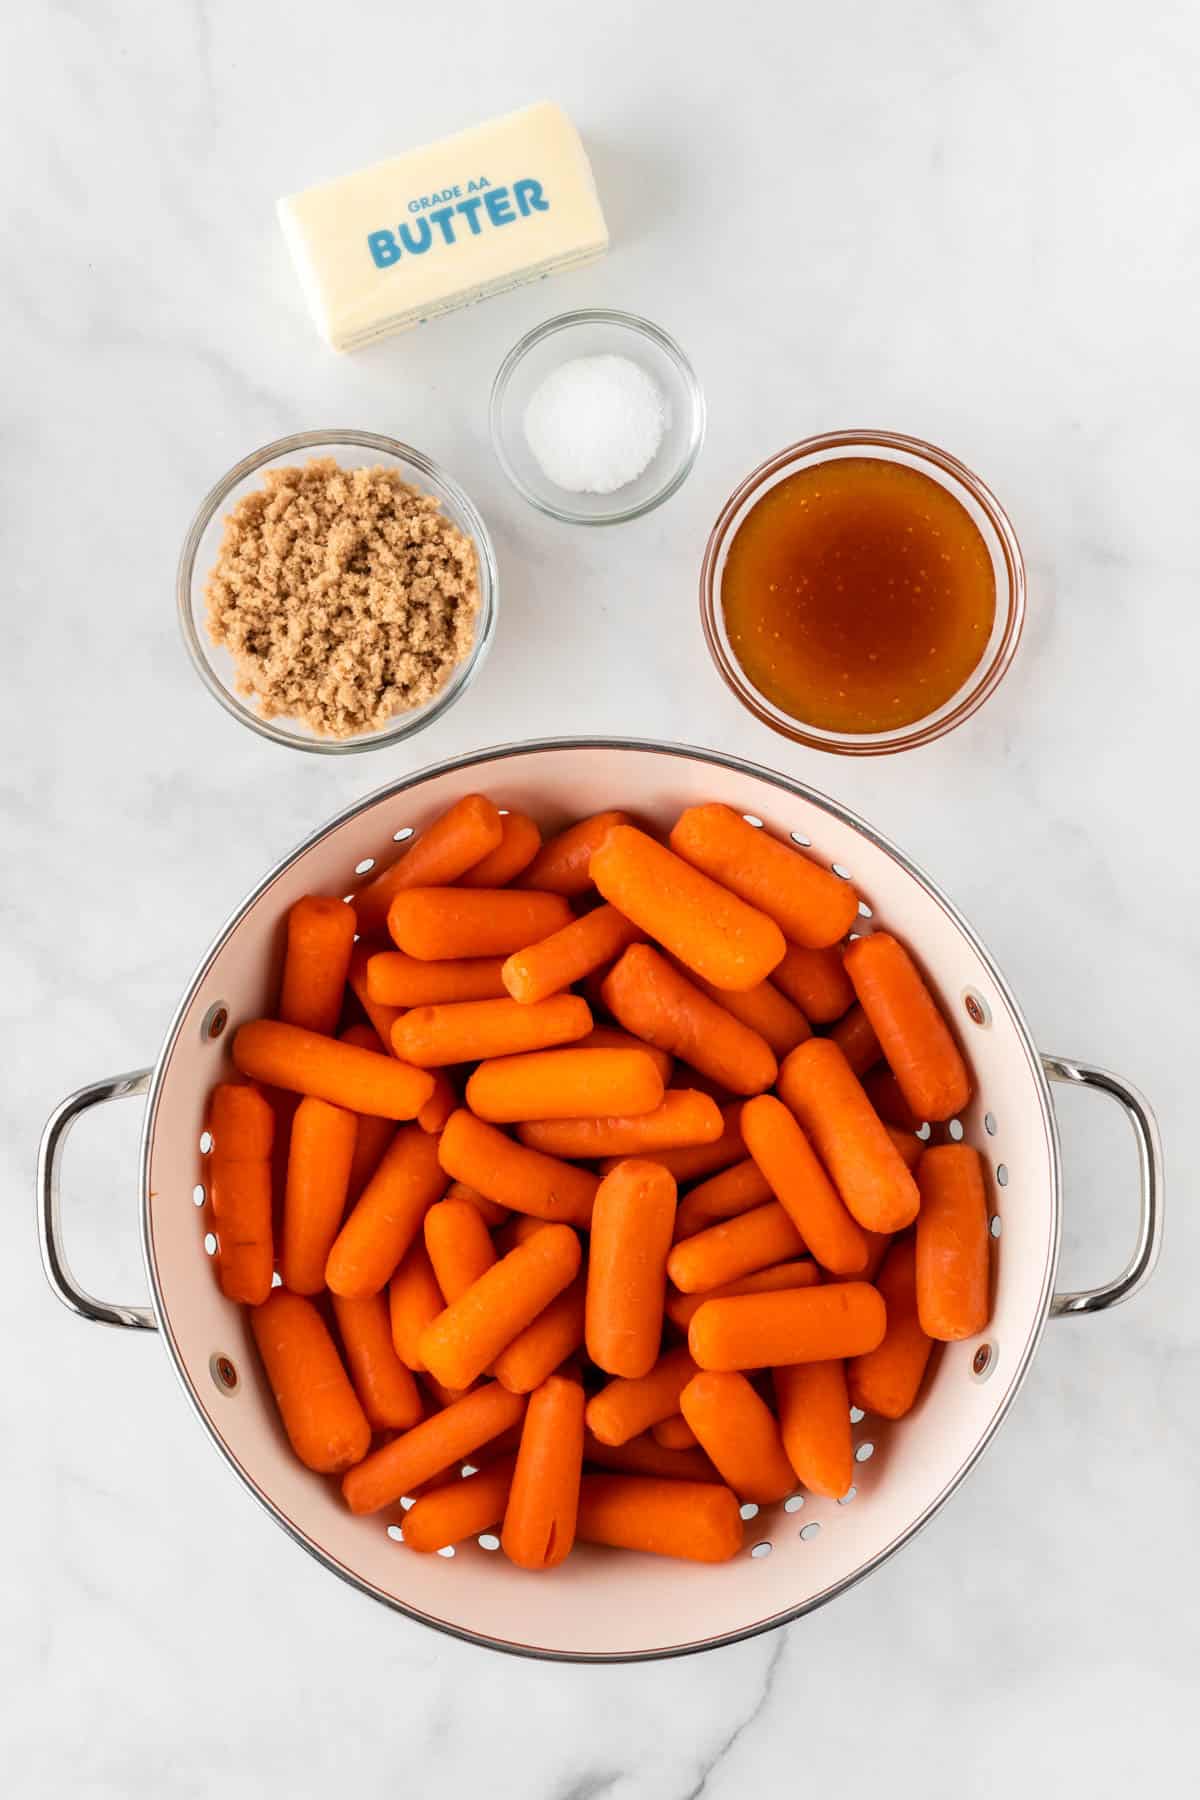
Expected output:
(748, 1509)
(864, 911)
(468, 1469)
(365, 866)
(214, 1022)
(408, 1502)
(206, 1142)
(983, 1362)
(798, 837)
(989, 1124)
(994, 1225)
(224, 1372)
(976, 1007)
(402, 836)
(396, 1534)
(763, 1549)
(198, 1195)
(793, 1503)
(210, 1244)
(1002, 1174)
(752, 819)
(809, 1531)
(955, 1128)
(925, 1131)
(276, 1279)
(841, 871)
(856, 1414)
(489, 1541)
(864, 1452)
(446, 1550)
(848, 1496)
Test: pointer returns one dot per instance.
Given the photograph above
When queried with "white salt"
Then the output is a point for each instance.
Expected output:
(595, 423)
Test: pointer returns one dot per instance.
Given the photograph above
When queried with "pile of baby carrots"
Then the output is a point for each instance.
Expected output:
(613, 1193)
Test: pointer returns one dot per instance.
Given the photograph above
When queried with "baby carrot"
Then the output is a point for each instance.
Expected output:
(855, 1037)
(765, 1010)
(398, 980)
(698, 1160)
(242, 1124)
(373, 1134)
(461, 1343)
(886, 1380)
(555, 1334)
(674, 1433)
(565, 1084)
(817, 981)
(722, 1196)
(696, 1520)
(304, 1062)
(611, 1037)
(325, 1424)
(381, 1016)
(734, 1247)
(642, 1455)
(814, 1420)
(568, 955)
(387, 1217)
(682, 1118)
(628, 1405)
(627, 1267)
(705, 925)
(810, 905)
(883, 1091)
(818, 1085)
(801, 1186)
(738, 1431)
(654, 1001)
(915, 1037)
(320, 1157)
(414, 1301)
(523, 1180)
(466, 1031)
(491, 1214)
(384, 1386)
(952, 1243)
(681, 1309)
(459, 1508)
(448, 1437)
(519, 844)
(539, 1520)
(441, 1103)
(815, 1324)
(459, 1246)
(447, 924)
(467, 832)
(320, 937)
(562, 864)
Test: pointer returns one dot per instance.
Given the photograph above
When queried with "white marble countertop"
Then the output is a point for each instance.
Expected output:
(974, 224)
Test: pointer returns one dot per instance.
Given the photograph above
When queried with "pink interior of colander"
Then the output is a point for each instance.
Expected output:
(600, 1602)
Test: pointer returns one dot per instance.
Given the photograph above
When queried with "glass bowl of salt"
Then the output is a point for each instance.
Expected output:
(596, 417)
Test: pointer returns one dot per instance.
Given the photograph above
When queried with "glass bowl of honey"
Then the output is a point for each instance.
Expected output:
(862, 592)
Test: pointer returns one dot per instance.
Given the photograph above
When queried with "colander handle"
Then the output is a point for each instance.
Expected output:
(1150, 1187)
(54, 1260)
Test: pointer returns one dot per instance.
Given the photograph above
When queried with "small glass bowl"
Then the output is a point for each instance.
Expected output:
(354, 450)
(994, 526)
(596, 332)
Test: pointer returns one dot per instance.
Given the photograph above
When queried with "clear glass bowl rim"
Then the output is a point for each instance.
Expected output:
(599, 315)
(983, 680)
(407, 724)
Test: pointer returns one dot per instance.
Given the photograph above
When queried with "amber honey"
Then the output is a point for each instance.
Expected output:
(858, 595)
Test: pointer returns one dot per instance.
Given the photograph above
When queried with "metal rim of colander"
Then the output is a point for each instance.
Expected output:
(795, 790)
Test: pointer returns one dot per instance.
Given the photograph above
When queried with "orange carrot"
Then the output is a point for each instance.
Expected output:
(513, 1176)
(739, 1433)
(446, 1438)
(441, 1103)
(682, 1118)
(734, 1247)
(320, 937)
(397, 980)
(381, 1016)
(325, 1424)
(642, 1455)
(320, 1157)
(722, 1196)
(562, 864)
(699, 1160)
(681, 1309)
(459, 1246)
(627, 1406)
(814, 1420)
(674, 1433)
(461, 1343)
(387, 1217)
(374, 1134)
(815, 1324)
(696, 1520)
(855, 1037)
(765, 1010)
(242, 1124)
(448, 924)
(385, 1387)
(459, 1508)
(627, 1268)
(539, 1520)
(952, 1243)
(432, 1036)
(565, 1084)
(886, 1380)
(414, 1301)
(467, 832)
(654, 1001)
(915, 1037)
(491, 1214)
(306, 1063)
(802, 1187)
(517, 848)
(555, 1334)
(811, 906)
(611, 1037)
(705, 925)
(817, 981)
(818, 1085)
(909, 1146)
(568, 955)
(883, 1091)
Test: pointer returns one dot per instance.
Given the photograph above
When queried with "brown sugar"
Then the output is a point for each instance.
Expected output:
(344, 596)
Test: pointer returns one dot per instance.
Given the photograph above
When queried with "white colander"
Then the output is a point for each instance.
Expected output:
(602, 1604)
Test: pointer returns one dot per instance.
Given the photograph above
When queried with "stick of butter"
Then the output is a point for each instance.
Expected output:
(420, 234)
